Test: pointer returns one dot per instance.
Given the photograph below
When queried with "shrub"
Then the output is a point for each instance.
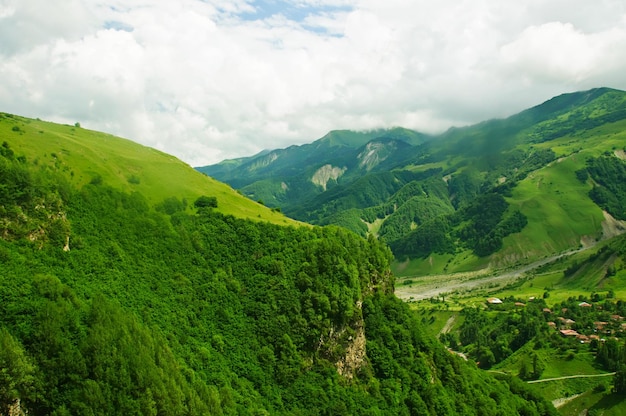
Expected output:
(206, 202)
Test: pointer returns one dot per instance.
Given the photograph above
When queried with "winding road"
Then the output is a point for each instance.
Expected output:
(567, 377)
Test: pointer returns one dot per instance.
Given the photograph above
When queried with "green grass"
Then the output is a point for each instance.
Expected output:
(435, 320)
(439, 264)
(558, 209)
(374, 227)
(556, 203)
(83, 154)
(426, 166)
(596, 403)
(561, 216)
(558, 364)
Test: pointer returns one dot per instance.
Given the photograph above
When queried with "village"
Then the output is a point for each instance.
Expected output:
(575, 319)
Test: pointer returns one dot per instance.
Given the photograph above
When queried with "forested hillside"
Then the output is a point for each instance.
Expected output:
(116, 303)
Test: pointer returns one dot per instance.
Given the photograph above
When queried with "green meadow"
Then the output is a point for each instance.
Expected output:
(85, 156)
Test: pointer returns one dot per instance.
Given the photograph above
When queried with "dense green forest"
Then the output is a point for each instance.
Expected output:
(113, 305)
(609, 175)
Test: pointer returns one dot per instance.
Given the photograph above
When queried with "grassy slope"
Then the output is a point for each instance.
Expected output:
(559, 211)
(589, 277)
(556, 203)
(559, 364)
(84, 154)
(603, 403)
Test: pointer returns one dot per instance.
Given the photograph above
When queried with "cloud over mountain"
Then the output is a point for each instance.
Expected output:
(208, 80)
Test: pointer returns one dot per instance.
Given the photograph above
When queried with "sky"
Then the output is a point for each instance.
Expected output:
(208, 80)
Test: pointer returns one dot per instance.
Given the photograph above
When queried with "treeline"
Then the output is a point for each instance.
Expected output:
(177, 309)
(576, 123)
(609, 175)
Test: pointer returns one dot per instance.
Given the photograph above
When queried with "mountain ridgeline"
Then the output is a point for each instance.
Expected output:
(503, 191)
(123, 293)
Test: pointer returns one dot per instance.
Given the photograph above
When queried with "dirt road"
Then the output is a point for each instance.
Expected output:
(567, 377)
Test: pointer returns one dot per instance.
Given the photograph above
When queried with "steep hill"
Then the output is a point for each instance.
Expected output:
(490, 195)
(83, 156)
(118, 298)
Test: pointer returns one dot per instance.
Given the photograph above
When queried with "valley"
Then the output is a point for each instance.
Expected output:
(510, 196)
(332, 278)
(527, 210)
(124, 294)
(415, 288)
(546, 296)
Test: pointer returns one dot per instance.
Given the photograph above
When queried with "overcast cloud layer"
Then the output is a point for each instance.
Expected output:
(209, 80)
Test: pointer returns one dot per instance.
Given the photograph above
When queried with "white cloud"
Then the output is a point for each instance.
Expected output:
(27, 23)
(557, 51)
(204, 80)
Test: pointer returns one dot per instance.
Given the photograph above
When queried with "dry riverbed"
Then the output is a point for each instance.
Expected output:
(426, 287)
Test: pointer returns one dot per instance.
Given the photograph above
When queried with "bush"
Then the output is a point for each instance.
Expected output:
(582, 175)
(206, 202)
(600, 388)
(96, 179)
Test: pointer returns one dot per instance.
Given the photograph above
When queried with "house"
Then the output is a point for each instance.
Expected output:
(547, 310)
(599, 325)
(494, 301)
(569, 333)
(552, 325)
(584, 305)
(617, 317)
(519, 304)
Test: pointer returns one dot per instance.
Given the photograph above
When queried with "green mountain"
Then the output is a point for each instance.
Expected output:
(288, 177)
(489, 195)
(132, 284)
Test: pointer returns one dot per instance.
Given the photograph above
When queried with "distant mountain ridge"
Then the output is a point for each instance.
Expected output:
(382, 182)
(334, 148)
